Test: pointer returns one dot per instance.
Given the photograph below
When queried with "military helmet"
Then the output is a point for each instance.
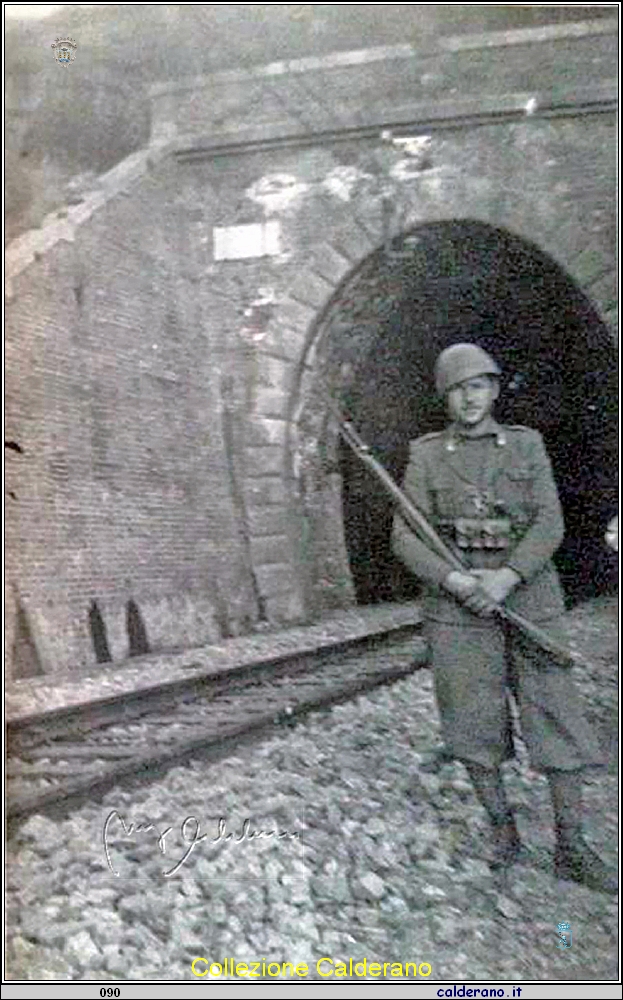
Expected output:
(460, 362)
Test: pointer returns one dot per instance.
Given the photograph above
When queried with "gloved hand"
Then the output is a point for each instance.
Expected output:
(460, 585)
(497, 583)
(467, 589)
(470, 590)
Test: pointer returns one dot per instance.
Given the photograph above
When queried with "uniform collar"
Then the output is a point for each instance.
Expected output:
(488, 428)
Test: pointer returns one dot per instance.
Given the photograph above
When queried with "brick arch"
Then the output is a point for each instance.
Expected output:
(328, 270)
(311, 453)
(278, 541)
(589, 265)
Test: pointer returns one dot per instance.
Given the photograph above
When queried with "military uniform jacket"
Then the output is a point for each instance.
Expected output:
(494, 501)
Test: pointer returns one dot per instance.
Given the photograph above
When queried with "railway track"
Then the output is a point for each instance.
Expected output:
(57, 758)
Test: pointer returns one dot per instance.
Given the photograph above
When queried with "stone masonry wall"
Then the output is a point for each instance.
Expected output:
(550, 182)
(157, 359)
(122, 489)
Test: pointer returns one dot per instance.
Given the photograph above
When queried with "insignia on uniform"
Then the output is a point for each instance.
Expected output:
(64, 50)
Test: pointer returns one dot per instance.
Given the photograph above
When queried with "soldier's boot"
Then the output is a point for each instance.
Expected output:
(574, 859)
(489, 788)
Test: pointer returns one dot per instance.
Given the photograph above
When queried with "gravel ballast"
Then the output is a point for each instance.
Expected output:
(341, 837)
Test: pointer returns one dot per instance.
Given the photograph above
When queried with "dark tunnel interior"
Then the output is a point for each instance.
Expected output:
(467, 281)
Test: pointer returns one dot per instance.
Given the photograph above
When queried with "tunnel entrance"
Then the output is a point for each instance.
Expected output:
(467, 281)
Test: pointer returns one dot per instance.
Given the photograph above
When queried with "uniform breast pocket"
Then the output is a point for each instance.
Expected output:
(445, 502)
(521, 476)
(515, 488)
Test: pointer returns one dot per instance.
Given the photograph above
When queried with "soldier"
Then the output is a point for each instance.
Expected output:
(489, 491)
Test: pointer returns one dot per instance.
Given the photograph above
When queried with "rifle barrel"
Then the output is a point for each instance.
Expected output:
(421, 527)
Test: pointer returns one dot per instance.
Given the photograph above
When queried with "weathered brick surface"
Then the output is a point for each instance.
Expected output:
(266, 430)
(269, 403)
(605, 291)
(268, 521)
(266, 491)
(269, 550)
(178, 621)
(286, 607)
(123, 490)
(350, 92)
(148, 385)
(312, 289)
(294, 314)
(276, 578)
(590, 264)
(612, 319)
(266, 460)
(275, 373)
(330, 264)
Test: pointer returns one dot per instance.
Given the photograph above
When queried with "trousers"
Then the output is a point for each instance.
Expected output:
(475, 667)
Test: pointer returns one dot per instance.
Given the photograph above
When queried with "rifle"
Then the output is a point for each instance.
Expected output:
(418, 523)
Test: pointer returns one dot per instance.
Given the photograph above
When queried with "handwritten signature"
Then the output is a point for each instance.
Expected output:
(191, 836)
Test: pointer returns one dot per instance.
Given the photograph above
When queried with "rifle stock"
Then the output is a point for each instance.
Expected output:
(418, 523)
